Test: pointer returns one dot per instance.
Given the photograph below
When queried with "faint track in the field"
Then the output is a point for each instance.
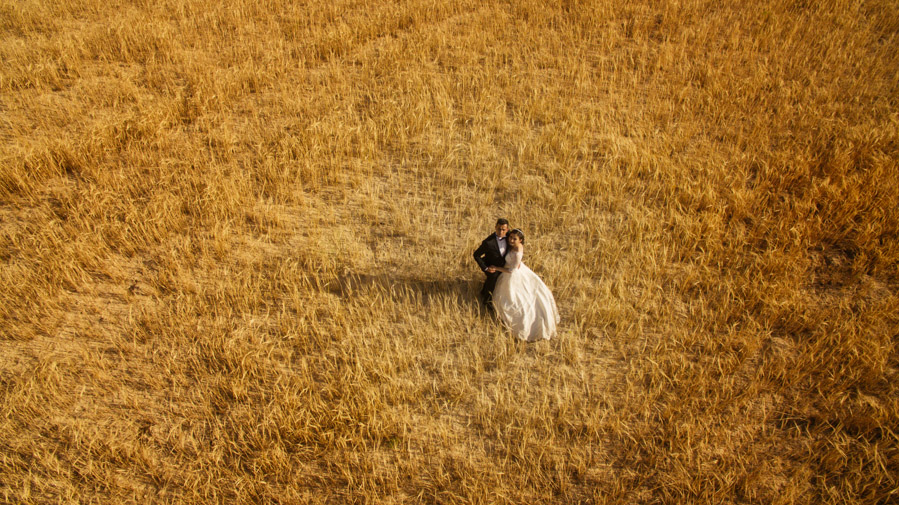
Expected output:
(400, 27)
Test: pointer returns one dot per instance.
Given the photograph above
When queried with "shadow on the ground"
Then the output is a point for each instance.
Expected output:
(463, 292)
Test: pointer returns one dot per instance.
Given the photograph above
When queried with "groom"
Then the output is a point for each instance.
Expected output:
(492, 252)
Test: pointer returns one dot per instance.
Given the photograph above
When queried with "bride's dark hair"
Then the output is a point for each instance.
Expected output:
(518, 234)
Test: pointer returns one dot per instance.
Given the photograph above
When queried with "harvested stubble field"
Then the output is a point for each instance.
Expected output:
(236, 237)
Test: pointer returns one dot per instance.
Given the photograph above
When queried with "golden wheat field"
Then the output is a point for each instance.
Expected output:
(236, 247)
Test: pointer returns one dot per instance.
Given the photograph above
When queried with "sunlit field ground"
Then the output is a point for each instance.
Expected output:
(236, 238)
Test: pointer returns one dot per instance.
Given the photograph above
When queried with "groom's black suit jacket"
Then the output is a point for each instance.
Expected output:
(487, 254)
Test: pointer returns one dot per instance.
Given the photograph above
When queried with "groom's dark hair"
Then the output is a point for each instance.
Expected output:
(502, 221)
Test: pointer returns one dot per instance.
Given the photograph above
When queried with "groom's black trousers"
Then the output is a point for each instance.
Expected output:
(487, 290)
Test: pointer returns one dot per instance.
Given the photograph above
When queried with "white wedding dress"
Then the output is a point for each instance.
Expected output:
(524, 303)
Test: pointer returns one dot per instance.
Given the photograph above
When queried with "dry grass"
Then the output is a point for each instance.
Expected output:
(235, 246)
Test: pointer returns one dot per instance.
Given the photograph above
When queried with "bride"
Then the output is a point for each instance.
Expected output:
(521, 299)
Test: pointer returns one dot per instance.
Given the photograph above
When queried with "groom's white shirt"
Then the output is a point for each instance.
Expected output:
(501, 243)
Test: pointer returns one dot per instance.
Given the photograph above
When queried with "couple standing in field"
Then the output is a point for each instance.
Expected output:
(512, 290)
